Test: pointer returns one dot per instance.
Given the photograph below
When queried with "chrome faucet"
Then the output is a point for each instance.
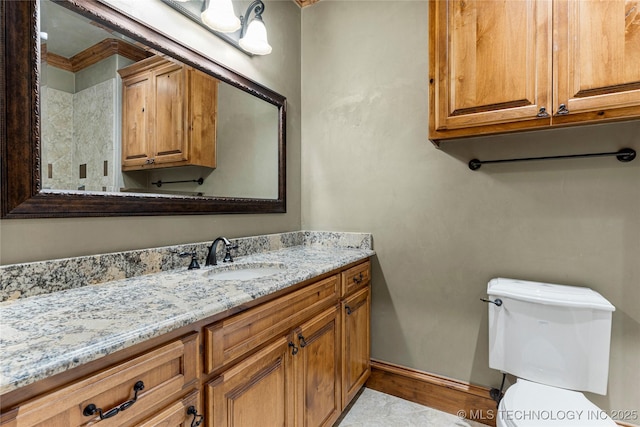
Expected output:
(211, 257)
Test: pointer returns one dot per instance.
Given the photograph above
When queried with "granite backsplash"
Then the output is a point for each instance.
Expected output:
(35, 278)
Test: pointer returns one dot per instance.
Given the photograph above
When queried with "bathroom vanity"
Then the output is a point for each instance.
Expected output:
(180, 347)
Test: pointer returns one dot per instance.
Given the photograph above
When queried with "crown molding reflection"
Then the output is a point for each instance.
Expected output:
(303, 3)
(94, 54)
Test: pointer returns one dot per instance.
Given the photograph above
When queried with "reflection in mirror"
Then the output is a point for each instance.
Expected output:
(84, 109)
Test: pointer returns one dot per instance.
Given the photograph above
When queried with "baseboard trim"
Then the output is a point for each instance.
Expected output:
(438, 392)
(445, 394)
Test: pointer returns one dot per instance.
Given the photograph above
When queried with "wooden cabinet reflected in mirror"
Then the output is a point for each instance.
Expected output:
(212, 141)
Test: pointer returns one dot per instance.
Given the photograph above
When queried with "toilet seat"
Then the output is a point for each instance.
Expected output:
(529, 404)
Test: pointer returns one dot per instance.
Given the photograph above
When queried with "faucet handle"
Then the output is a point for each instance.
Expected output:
(194, 260)
(227, 255)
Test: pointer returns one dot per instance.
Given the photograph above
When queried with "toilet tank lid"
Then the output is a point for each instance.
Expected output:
(548, 293)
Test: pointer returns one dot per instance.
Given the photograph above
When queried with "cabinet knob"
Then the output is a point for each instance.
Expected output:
(542, 112)
(562, 110)
(348, 310)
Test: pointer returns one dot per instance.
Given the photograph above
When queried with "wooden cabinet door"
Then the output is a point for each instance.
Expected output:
(255, 392)
(490, 66)
(596, 59)
(136, 133)
(317, 370)
(356, 353)
(202, 115)
(170, 115)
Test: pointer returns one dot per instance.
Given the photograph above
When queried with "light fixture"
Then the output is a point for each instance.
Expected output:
(253, 37)
(220, 16)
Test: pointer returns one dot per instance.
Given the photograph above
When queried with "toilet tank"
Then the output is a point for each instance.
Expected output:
(550, 334)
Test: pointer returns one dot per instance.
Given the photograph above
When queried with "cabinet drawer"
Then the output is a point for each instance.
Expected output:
(177, 414)
(163, 372)
(355, 277)
(231, 338)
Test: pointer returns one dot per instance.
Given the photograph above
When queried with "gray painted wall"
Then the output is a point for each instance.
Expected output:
(38, 239)
(440, 230)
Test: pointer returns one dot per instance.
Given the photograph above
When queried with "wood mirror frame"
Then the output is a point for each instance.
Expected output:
(21, 195)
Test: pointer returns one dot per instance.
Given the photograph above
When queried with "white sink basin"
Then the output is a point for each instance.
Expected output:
(244, 271)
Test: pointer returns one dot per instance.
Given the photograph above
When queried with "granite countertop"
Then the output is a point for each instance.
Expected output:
(47, 334)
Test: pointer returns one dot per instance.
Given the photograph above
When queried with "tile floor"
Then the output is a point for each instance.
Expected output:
(374, 409)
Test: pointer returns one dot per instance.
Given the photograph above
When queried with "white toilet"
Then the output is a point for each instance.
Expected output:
(555, 339)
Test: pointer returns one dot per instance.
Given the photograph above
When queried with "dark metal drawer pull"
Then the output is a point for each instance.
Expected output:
(358, 279)
(91, 409)
(294, 349)
(346, 307)
(197, 418)
(303, 343)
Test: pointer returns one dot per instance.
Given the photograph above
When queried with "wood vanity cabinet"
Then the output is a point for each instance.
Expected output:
(295, 361)
(505, 66)
(293, 381)
(168, 115)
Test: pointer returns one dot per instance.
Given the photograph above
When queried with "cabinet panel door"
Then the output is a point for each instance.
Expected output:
(597, 59)
(356, 353)
(170, 114)
(136, 134)
(317, 367)
(492, 65)
(254, 392)
(202, 114)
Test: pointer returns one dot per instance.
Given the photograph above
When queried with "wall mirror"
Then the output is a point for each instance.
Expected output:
(73, 75)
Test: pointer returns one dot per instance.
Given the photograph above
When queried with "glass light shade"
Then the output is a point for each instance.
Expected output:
(221, 17)
(255, 39)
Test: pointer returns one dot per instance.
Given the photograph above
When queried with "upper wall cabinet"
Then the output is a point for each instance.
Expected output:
(502, 66)
(168, 115)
